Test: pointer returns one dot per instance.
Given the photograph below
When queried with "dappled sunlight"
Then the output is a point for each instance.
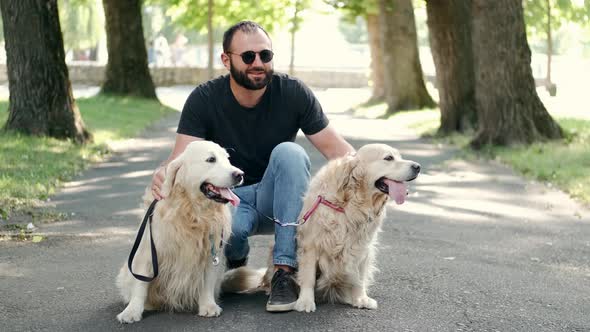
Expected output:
(140, 144)
(87, 182)
(335, 101)
(137, 174)
(435, 211)
(130, 212)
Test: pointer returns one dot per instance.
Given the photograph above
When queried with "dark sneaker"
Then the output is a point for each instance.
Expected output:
(283, 292)
(235, 264)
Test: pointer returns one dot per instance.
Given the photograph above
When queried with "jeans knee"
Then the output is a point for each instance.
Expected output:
(289, 153)
(240, 231)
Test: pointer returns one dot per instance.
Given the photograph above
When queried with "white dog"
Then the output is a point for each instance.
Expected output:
(336, 246)
(188, 227)
(343, 208)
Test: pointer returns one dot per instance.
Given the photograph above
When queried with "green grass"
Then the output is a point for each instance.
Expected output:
(33, 168)
(564, 163)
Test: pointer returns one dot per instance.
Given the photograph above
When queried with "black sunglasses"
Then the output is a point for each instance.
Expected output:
(249, 56)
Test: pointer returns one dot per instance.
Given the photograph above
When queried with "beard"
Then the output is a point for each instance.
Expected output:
(241, 77)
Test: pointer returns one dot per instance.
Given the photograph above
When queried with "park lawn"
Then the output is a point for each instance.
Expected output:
(564, 163)
(33, 168)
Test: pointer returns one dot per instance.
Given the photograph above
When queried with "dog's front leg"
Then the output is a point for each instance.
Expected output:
(134, 309)
(306, 277)
(207, 305)
(360, 299)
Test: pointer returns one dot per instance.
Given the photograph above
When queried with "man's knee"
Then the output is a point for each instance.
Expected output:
(289, 153)
(240, 231)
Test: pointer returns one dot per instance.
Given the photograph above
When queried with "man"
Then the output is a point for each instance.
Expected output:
(255, 114)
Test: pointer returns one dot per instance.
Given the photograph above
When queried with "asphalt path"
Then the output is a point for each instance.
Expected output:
(474, 248)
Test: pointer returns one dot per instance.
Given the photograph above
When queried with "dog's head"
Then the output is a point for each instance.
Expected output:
(383, 170)
(204, 169)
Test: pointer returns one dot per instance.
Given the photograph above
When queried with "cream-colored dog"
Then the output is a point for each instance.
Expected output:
(189, 227)
(336, 249)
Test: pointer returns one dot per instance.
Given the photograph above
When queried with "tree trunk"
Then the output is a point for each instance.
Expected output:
(295, 21)
(509, 109)
(449, 25)
(210, 44)
(376, 58)
(127, 71)
(549, 86)
(41, 101)
(403, 77)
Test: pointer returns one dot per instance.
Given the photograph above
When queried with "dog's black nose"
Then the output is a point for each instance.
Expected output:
(238, 176)
(416, 168)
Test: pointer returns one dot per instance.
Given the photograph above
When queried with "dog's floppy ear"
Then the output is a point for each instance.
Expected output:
(348, 176)
(170, 176)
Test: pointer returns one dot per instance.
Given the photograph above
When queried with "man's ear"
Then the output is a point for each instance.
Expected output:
(170, 176)
(225, 60)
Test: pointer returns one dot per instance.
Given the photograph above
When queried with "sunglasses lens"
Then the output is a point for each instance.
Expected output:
(248, 57)
(266, 56)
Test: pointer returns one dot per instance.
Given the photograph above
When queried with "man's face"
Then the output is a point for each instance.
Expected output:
(256, 75)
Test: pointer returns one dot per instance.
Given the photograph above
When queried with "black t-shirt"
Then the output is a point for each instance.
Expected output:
(212, 112)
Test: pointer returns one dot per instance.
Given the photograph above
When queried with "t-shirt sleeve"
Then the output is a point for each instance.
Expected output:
(312, 118)
(193, 119)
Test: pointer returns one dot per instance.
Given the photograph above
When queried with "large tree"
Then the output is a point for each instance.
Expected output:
(127, 71)
(403, 78)
(41, 101)
(377, 79)
(449, 25)
(368, 9)
(509, 109)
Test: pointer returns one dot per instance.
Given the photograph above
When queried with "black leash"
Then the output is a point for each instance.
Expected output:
(146, 219)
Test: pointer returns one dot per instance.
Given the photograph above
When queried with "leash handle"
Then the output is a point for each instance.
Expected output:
(147, 218)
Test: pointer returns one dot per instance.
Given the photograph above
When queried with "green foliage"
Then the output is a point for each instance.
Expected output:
(33, 167)
(354, 32)
(193, 14)
(82, 23)
(562, 11)
(354, 8)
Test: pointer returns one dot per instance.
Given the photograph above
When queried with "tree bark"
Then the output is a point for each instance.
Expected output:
(210, 43)
(403, 77)
(127, 71)
(509, 109)
(449, 25)
(41, 101)
(376, 58)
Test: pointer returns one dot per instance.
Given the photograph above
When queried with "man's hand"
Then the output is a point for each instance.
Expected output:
(158, 181)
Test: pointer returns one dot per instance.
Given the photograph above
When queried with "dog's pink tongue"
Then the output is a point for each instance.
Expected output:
(230, 196)
(397, 191)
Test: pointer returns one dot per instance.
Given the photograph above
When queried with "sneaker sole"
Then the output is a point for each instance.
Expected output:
(280, 307)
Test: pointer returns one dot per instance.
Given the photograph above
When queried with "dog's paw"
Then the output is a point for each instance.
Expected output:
(364, 302)
(129, 315)
(305, 305)
(209, 310)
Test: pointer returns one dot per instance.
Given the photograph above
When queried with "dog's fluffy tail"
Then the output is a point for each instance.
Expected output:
(244, 280)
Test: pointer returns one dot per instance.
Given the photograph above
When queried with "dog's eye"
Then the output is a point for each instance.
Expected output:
(389, 158)
(211, 160)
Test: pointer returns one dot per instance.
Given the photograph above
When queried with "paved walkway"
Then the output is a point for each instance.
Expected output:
(474, 248)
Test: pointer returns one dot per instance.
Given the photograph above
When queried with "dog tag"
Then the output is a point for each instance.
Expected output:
(215, 260)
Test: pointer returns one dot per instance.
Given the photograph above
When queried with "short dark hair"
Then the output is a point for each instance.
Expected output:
(244, 26)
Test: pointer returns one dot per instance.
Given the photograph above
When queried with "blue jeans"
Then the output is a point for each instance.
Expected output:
(279, 194)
